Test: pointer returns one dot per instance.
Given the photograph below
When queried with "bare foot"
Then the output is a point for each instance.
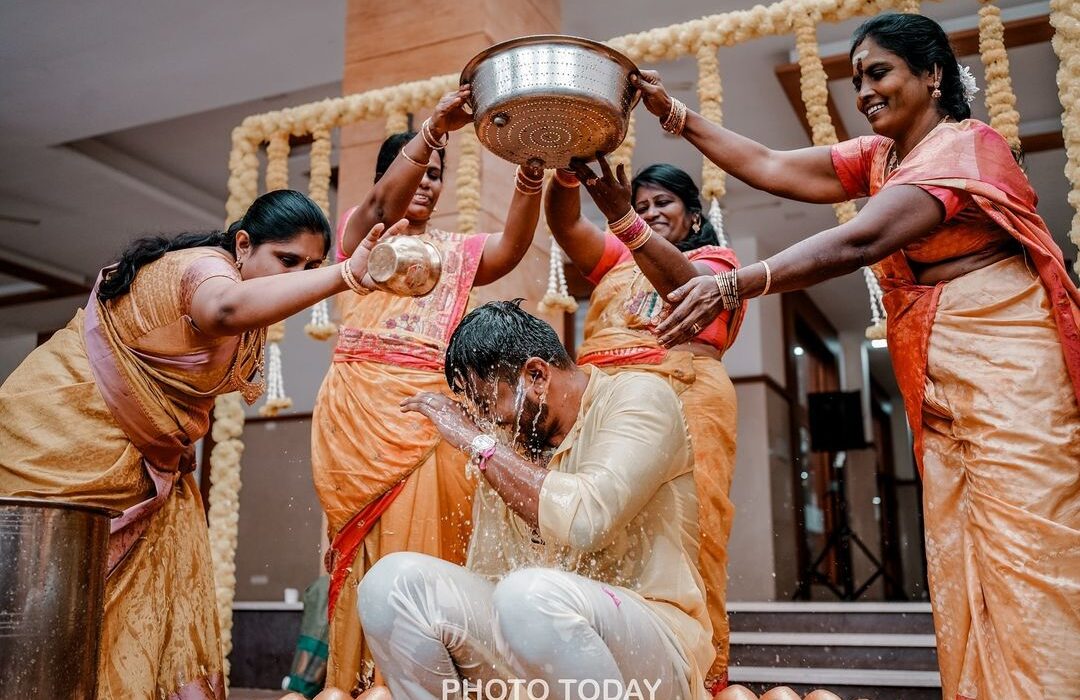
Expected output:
(735, 692)
(781, 692)
(377, 692)
(822, 695)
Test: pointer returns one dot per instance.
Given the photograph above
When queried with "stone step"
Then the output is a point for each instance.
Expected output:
(849, 684)
(856, 618)
(914, 652)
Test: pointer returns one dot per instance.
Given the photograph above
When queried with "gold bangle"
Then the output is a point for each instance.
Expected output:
(350, 279)
(429, 138)
(403, 154)
(768, 278)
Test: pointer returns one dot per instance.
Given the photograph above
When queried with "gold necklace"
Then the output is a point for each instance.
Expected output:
(894, 161)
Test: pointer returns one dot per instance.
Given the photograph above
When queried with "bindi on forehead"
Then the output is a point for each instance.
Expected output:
(857, 59)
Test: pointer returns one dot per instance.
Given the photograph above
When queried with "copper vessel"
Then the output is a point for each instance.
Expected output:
(542, 100)
(52, 597)
(405, 265)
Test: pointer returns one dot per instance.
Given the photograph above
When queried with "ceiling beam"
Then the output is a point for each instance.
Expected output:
(1018, 32)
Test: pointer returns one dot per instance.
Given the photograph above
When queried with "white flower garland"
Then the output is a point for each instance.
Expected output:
(815, 93)
(557, 297)
(224, 513)
(661, 44)
(1000, 98)
(1065, 18)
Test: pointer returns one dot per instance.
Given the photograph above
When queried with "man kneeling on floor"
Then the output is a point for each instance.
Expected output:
(581, 579)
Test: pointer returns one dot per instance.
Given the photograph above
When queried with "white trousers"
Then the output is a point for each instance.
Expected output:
(438, 630)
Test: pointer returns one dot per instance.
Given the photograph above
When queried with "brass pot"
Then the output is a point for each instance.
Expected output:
(405, 265)
(52, 597)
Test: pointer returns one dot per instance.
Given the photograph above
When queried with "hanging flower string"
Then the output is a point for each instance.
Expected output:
(468, 182)
(276, 400)
(1065, 18)
(557, 297)
(710, 103)
(320, 327)
(815, 93)
(1000, 98)
(277, 178)
(224, 513)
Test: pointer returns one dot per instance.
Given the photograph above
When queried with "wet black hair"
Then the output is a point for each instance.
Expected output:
(679, 183)
(276, 216)
(923, 45)
(496, 340)
(390, 149)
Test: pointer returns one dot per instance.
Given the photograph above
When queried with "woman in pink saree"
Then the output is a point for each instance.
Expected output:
(108, 410)
(984, 332)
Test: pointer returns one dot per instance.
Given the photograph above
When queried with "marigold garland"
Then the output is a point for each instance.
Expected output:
(224, 515)
(661, 44)
(1000, 98)
(1065, 19)
(624, 153)
(710, 106)
(277, 178)
(814, 83)
(468, 182)
(397, 122)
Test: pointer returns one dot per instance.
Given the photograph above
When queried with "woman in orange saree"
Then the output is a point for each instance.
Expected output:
(107, 412)
(984, 332)
(623, 307)
(386, 481)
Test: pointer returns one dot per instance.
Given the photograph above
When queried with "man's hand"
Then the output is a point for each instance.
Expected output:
(450, 419)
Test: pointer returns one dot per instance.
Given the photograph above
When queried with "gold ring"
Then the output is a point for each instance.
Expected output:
(591, 181)
(697, 328)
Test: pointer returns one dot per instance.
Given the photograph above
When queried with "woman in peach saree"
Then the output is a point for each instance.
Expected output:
(984, 333)
(622, 309)
(386, 481)
(107, 412)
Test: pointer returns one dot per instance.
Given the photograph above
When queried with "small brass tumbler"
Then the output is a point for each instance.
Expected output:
(405, 265)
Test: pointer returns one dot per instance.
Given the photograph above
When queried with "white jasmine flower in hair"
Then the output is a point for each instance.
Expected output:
(967, 80)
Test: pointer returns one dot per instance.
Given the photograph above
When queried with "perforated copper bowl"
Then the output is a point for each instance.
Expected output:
(548, 98)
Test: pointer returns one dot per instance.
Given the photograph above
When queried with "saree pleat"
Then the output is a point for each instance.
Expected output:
(363, 446)
(616, 340)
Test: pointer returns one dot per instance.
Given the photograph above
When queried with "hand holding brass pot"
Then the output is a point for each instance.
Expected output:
(405, 265)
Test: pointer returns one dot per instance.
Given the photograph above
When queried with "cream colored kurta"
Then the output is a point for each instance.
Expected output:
(619, 506)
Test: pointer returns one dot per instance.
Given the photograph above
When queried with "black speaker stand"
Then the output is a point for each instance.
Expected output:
(841, 539)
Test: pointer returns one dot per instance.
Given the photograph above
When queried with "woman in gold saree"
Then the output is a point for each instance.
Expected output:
(622, 308)
(107, 412)
(984, 333)
(386, 481)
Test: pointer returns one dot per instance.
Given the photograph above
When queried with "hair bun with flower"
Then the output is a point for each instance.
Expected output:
(967, 81)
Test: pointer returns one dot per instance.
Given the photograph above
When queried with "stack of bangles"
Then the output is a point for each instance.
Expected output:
(675, 120)
(631, 229)
(433, 143)
(567, 178)
(528, 185)
(350, 279)
(728, 284)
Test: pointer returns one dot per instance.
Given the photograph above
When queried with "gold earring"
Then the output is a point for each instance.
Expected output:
(239, 265)
(936, 94)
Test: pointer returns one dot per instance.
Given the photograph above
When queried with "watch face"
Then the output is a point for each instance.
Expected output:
(481, 443)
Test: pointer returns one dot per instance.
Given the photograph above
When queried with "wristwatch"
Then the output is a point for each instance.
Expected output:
(480, 450)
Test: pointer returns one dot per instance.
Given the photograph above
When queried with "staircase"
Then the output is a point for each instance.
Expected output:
(877, 651)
